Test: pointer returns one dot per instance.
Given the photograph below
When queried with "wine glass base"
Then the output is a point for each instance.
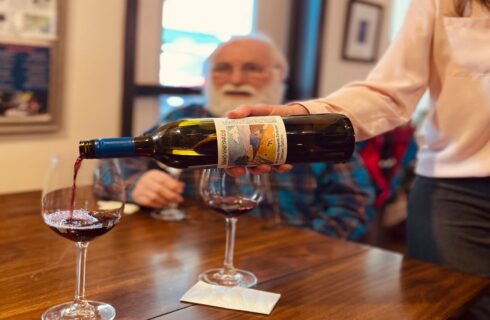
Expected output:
(89, 310)
(169, 214)
(240, 278)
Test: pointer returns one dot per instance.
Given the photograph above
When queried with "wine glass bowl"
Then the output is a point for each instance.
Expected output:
(79, 224)
(231, 206)
(81, 212)
(231, 197)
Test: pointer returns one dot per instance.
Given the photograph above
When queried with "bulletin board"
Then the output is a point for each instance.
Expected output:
(30, 65)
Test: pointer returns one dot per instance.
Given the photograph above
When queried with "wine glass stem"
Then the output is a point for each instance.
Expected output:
(173, 205)
(230, 245)
(81, 262)
(174, 174)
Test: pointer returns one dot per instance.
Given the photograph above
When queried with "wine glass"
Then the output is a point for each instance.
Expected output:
(230, 196)
(171, 212)
(80, 203)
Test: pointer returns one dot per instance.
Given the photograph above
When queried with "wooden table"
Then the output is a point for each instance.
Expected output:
(144, 266)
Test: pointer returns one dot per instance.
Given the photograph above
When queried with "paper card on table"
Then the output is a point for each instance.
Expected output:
(129, 208)
(237, 298)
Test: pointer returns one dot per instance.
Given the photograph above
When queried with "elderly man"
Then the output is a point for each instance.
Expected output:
(332, 199)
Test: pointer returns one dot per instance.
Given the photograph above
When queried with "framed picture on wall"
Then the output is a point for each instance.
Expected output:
(362, 31)
(30, 65)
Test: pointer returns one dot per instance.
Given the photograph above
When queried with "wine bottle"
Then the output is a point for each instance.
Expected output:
(235, 142)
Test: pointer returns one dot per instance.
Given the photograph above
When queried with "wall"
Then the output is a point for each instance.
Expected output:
(91, 96)
(272, 18)
(336, 72)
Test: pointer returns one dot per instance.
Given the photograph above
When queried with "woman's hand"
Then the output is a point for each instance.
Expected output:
(267, 110)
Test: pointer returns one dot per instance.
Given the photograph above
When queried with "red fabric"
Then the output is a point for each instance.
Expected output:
(390, 146)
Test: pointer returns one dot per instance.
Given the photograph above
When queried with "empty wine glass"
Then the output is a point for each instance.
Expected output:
(80, 212)
(171, 212)
(230, 196)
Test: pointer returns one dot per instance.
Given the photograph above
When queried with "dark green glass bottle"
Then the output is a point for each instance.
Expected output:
(194, 142)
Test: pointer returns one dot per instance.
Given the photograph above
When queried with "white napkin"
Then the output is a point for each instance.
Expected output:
(237, 298)
(129, 208)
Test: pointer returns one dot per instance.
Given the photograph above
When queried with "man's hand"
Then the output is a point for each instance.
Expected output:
(264, 110)
(156, 189)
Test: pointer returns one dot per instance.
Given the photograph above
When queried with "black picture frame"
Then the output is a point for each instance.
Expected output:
(362, 31)
(31, 59)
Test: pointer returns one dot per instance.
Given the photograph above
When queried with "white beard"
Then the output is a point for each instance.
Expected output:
(218, 103)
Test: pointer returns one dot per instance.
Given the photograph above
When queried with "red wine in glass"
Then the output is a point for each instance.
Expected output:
(232, 206)
(82, 225)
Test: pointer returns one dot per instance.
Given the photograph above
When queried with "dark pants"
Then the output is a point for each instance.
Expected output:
(449, 223)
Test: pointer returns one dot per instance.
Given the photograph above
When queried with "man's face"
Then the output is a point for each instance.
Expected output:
(243, 72)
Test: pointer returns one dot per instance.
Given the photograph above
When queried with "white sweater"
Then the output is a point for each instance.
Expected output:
(449, 55)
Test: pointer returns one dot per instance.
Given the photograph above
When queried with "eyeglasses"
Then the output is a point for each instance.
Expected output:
(249, 70)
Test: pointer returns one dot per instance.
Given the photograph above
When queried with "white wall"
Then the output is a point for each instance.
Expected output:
(91, 97)
(272, 18)
(336, 72)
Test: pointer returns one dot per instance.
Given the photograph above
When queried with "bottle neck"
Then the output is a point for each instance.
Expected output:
(144, 146)
(116, 147)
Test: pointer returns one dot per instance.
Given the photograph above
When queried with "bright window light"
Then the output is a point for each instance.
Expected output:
(191, 31)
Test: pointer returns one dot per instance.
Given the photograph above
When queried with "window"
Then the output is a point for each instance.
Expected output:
(189, 36)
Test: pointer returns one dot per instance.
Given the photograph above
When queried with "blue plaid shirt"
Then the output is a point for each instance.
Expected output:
(335, 199)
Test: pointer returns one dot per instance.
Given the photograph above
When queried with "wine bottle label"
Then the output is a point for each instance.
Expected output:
(251, 141)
